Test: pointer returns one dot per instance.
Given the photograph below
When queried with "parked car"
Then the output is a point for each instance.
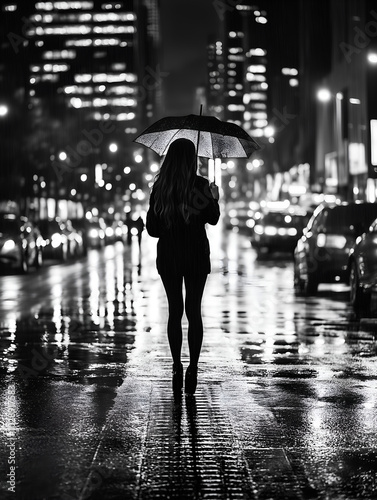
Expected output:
(278, 230)
(321, 254)
(362, 268)
(20, 243)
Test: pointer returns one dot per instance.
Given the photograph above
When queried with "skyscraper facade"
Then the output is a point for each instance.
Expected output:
(91, 81)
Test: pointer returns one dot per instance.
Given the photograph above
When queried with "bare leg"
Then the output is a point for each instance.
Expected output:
(193, 303)
(173, 288)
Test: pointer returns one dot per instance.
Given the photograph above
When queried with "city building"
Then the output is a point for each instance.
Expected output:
(93, 82)
(346, 139)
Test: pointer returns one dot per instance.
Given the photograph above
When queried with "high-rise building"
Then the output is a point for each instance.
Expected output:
(84, 54)
(92, 83)
(215, 78)
(245, 74)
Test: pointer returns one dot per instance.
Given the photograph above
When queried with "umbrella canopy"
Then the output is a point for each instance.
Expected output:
(214, 138)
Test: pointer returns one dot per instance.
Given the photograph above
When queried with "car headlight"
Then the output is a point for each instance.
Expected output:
(331, 241)
(56, 240)
(93, 233)
(9, 245)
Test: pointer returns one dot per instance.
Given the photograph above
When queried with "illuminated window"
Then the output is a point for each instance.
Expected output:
(81, 42)
(258, 96)
(260, 123)
(111, 42)
(239, 58)
(10, 8)
(113, 29)
(236, 107)
(235, 50)
(83, 78)
(60, 30)
(257, 52)
(113, 17)
(64, 5)
(59, 54)
(55, 68)
(250, 77)
(49, 78)
(289, 71)
(257, 68)
(258, 105)
(118, 66)
(112, 5)
(121, 90)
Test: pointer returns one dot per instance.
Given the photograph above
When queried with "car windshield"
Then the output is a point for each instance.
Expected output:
(8, 225)
(283, 219)
(353, 218)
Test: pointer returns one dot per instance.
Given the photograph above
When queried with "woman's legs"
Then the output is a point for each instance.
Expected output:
(173, 288)
(194, 292)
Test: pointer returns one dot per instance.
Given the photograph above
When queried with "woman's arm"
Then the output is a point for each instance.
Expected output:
(152, 223)
(211, 212)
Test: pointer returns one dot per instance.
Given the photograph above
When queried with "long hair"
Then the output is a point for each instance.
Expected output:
(175, 181)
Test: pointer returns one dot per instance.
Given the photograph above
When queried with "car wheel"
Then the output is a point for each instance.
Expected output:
(304, 285)
(358, 298)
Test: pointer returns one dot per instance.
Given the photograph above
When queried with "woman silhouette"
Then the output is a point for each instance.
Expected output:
(180, 205)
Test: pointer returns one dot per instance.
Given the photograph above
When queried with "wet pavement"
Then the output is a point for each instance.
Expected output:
(286, 400)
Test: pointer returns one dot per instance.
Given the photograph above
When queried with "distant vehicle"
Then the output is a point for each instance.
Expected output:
(20, 243)
(362, 267)
(321, 254)
(76, 246)
(278, 231)
(92, 231)
(240, 215)
(56, 242)
(115, 230)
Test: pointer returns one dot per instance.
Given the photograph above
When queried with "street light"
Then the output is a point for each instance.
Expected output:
(113, 147)
(324, 95)
(372, 57)
(3, 110)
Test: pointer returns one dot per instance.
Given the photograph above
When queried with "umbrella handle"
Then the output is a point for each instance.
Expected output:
(197, 142)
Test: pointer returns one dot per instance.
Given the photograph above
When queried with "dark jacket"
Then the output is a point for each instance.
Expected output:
(184, 247)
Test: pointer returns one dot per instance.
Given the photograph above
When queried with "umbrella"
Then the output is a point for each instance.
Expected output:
(214, 138)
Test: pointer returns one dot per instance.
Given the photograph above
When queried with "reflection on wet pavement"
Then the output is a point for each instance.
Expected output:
(285, 406)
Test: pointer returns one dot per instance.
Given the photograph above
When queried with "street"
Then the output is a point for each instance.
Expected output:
(286, 400)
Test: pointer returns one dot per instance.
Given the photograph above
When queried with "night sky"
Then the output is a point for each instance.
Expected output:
(186, 26)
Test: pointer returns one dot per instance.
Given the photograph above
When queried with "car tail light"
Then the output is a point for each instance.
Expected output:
(331, 240)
